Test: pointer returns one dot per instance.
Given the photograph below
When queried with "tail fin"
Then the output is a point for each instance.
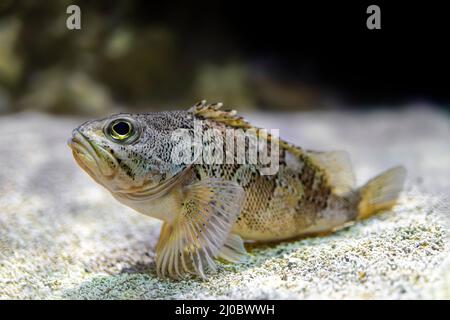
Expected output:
(381, 193)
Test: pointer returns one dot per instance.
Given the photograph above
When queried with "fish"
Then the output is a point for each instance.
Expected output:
(211, 209)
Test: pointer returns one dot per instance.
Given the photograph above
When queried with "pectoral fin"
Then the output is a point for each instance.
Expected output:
(202, 230)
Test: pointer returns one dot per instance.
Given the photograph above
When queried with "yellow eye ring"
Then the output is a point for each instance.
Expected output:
(121, 130)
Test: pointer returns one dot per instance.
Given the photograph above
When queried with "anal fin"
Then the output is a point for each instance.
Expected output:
(234, 249)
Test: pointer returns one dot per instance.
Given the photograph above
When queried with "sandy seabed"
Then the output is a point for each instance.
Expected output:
(62, 236)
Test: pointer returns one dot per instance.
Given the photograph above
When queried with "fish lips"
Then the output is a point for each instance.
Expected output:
(94, 159)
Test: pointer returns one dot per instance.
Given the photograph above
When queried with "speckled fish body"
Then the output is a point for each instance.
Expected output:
(209, 210)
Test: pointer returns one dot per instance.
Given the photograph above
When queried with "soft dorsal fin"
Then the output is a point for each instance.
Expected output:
(212, 111)
(338, 169)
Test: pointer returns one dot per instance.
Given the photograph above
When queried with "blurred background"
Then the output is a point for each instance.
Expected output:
(144, 56)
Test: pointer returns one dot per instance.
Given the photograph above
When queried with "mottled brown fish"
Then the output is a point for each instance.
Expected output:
(209, 210)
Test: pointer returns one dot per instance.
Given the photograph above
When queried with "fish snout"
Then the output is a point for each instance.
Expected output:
(96, 158)
(75, 139)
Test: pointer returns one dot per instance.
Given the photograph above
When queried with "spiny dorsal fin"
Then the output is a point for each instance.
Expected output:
(212, 111)
(338, 169)
(229, 117)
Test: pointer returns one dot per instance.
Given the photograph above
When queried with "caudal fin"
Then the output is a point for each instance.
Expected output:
(381, 193)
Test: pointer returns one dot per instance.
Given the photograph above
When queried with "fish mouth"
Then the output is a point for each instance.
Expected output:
(90, 157)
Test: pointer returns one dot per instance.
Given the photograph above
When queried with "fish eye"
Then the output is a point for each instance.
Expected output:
(121, 130)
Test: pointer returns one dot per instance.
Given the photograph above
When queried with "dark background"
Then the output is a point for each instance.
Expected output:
(253, 54)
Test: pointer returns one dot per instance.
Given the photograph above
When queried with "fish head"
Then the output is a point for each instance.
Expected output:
(129, 154)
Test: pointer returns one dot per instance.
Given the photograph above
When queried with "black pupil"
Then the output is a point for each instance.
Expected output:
(121, 128)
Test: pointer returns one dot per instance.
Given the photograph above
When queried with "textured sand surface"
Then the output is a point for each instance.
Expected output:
(63, 236)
